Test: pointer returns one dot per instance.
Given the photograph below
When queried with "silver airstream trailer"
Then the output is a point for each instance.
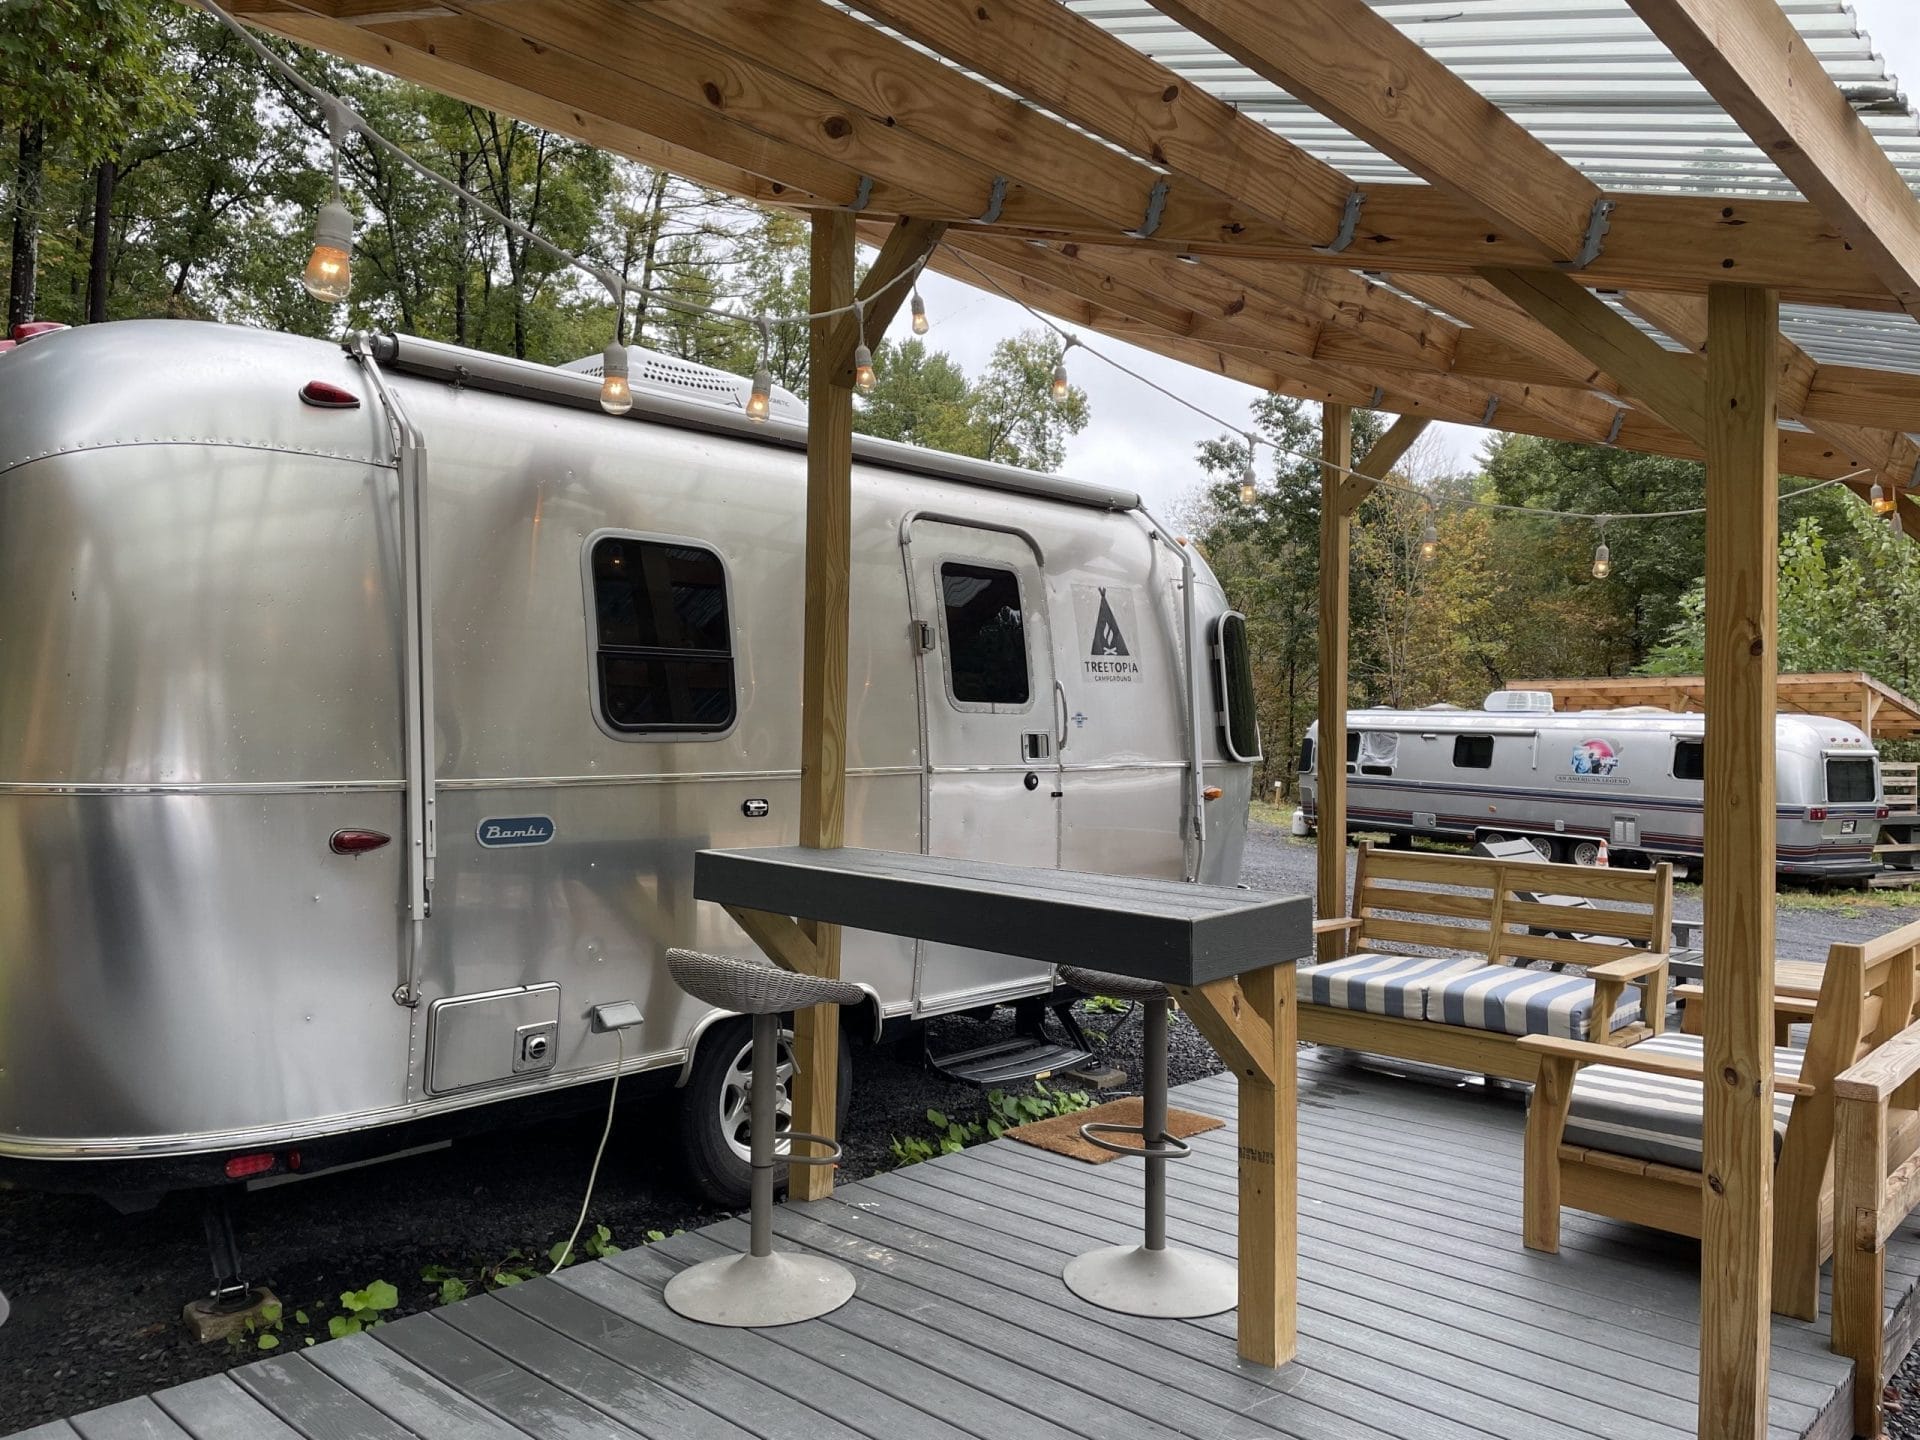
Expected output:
(361, 709)
(1567, 781)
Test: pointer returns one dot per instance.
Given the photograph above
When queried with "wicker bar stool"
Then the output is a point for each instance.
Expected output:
(762, 1287)
(1147, 1279)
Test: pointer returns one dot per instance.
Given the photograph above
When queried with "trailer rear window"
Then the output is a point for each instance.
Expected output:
(1233, 688)
(1850, 782)
(664, 648)
(1473, 752)
(1689, 760)
(986, 635)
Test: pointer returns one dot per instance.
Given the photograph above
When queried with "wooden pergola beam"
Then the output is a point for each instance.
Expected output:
(1385, 453)
(1751, 59)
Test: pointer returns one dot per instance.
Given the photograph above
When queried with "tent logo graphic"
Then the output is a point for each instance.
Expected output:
(1107, 639)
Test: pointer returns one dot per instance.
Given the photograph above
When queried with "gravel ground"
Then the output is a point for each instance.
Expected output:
(97, 1295)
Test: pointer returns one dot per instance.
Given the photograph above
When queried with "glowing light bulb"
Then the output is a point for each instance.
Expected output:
(1058, 389)
(760, 402)
(1249, 481)
(328, 276)
(1881, 501)
(1429, 541)
(616, 396)
(863, 377)
(1602, 561)
(920, 326)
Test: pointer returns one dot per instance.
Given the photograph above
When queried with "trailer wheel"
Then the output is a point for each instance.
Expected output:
(1583, 852)
(713, 1109)
(1542, 845)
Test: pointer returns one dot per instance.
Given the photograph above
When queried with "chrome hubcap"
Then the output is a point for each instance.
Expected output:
(736, 1111)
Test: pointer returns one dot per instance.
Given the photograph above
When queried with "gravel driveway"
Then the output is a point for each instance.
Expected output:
(97, 1295)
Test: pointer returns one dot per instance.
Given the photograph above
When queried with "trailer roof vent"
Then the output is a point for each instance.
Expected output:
(687, 380)
(1520, 702)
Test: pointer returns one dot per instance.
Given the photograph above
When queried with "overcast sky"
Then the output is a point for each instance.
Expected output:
(1146, 441)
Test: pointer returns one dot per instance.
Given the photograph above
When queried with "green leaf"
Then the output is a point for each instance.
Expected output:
(937, 1119)
(381, 1296)
(300, 1318)
(339, 1325)
(506, 1277)
(269, 1341)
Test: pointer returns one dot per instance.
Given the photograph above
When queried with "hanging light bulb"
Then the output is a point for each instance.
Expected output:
(616, 396)
(920, 326)
(328, 275)
(1602, 561)
(1059, 389)
(1881, 502)
(1249, 481)
(1429, 539)
(760, 402)
(863, 376)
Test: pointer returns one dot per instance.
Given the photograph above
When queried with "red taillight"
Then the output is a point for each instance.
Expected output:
(1816, 812)
(27, 329)
(357, 842)
(239, 1167)
(1882, 813)
(322, 396)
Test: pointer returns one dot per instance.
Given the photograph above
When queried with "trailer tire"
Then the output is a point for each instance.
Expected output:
(712, 1121)
(1544, 847)
(1583, 852)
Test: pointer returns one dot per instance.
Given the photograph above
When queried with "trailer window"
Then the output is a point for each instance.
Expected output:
(1379, 750)
(986, 635)
(1850, 782)
(1306, 756)
(1353, 747)
(1473, 752)
(664, 649)
(1689, 760)
(1233, 688)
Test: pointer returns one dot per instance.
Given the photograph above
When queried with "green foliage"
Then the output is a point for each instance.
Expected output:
(595, 1244)
(91, 72)
(363, 1309)
(1103, 1005)
(1003, 1112)
(266, 1329)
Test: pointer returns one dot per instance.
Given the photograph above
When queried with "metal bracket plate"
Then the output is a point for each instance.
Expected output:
(1599, 221)
(1349, 223)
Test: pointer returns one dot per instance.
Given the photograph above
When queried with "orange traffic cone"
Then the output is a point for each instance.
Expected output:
(1601, 858)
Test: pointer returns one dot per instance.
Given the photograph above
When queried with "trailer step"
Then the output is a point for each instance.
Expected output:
(1019, 1057)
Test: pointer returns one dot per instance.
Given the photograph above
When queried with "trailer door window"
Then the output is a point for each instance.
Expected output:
(986, 635)
(1473, 752)
(1689, 760)
(1850, 782)
(664, 648)
(1233, 688)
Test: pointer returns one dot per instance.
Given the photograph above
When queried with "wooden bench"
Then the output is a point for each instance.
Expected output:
(1618, 1132)
(1467, 1006)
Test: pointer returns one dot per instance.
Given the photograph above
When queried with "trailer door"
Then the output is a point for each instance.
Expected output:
(990, 730)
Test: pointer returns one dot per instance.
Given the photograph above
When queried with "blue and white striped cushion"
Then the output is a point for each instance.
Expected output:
(1510, 1001)
(1656, 1117)
(1379, 984)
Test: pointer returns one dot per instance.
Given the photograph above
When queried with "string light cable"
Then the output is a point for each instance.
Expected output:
(1329, 467)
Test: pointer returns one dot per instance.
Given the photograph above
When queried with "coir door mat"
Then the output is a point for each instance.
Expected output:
(1061, 1134)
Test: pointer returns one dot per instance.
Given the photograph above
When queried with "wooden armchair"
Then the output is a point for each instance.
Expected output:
(1617, 1132)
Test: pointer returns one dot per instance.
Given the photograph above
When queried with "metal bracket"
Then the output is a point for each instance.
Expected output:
(1599, 221)
(1493, 408)
(862, 195)
(995, 201)
(1156, 206)
(1373, 400)
(1349, 223)
(1613, 430)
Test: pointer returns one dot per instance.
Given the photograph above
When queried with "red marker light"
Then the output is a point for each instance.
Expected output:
(239, 1167)
(1882, 813)
(1816, 812)
(322, 396)
(357, 842)
(27, 329)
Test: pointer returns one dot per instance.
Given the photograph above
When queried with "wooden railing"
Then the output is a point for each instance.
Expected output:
(1901, 782)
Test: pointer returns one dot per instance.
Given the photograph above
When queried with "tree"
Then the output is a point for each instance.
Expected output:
(79, 78)
(920, 397)
(1014, 418)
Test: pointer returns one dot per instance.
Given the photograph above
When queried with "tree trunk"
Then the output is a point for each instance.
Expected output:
(99, 259)
(29, 168)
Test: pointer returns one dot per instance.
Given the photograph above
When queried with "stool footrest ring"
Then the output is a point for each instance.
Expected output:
(1167, 1149)
(832, 1157)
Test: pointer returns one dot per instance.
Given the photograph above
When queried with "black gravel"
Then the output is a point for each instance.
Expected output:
(97, 1295)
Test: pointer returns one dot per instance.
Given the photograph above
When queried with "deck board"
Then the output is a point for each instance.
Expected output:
(1422, 1316)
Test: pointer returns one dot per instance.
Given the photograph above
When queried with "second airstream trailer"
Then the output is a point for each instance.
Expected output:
(1567, 781)
(361, 711)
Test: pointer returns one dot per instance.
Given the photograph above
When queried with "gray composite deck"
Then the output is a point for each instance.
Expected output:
(1421, 1316)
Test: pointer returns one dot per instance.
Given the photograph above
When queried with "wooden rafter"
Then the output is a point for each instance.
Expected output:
(1751, 59)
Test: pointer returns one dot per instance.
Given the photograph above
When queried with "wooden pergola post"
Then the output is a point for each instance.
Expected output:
(823, 722)
(1330, 757)
(1743, 484)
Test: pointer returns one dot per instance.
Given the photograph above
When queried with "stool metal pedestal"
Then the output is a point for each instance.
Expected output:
(1148, 1279)
(764, 1287)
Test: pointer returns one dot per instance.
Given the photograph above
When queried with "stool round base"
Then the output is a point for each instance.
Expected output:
(1157, 1284)
(757, 1291)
